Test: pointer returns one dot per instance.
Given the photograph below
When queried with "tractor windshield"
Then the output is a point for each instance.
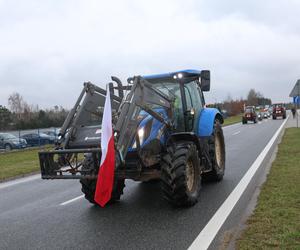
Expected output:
(172, 90)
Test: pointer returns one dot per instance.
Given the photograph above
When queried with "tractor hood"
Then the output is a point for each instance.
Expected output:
(149, 129)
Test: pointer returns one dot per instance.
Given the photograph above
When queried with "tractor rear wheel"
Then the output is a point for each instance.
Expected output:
(88, 187)
(180, 175)
(217, 154)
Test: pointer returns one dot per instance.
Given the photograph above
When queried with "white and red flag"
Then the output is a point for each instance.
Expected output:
(106, 172)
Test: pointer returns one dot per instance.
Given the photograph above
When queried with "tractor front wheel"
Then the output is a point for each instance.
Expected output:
(88, 186)
(180, 176)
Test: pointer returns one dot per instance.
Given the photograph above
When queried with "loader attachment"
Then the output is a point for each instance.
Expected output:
(81, 131)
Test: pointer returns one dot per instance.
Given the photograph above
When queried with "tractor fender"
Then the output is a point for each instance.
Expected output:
(206, 121)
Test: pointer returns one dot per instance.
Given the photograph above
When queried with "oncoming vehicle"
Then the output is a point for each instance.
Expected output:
(259, 116)
(265, 114)
(9, 141)
(278, 111)
(162, 130)
(249, 115)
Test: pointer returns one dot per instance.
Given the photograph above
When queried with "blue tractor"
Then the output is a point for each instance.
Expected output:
(162, 131)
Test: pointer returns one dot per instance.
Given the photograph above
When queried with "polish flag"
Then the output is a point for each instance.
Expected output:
(106, 172)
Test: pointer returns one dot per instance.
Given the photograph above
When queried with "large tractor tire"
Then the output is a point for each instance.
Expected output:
(88, 187)
(217, 154)
(180, 175)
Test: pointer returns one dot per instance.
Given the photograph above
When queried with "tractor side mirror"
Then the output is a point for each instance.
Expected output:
(205, 80)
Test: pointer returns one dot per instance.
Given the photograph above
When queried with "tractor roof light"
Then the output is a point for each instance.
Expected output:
(178, 76)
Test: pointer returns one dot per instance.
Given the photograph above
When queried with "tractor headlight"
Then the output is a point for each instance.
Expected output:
(141, 133)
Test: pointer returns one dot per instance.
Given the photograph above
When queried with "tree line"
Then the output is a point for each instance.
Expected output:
(20, 115)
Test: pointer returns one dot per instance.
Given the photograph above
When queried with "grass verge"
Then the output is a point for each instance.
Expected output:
(18, 163)
(275, 223)
(232, 119)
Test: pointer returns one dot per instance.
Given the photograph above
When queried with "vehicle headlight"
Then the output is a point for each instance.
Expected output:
(141, 133)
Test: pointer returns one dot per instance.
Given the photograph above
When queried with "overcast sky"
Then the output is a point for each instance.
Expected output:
(49, 48)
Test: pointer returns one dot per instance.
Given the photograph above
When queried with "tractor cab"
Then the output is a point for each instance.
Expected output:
(185, 89)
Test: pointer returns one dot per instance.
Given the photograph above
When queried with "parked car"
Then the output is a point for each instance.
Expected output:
(35, 139)
(249, 115)
(9, 141)
(52, 134)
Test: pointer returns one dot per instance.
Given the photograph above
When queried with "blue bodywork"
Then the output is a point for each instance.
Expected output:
(203, 127)
(206, 121)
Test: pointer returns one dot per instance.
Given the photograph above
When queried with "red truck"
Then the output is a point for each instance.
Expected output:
(249, 115)
(278, 111)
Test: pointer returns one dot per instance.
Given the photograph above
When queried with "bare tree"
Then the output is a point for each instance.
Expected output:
(16, 104)
(252, 98)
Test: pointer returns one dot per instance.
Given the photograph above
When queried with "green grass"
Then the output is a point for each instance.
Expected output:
(18, 163)
(232, 119)
(275, 223)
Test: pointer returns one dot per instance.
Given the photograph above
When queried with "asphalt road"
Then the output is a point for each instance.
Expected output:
(32, 215)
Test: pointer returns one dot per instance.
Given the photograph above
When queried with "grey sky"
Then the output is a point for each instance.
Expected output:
(49, 48)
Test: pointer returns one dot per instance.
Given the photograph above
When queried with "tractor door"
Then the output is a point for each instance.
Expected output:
(193, 105)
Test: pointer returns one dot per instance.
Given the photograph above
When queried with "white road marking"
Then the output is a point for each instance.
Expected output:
(72, 200)
(236, 133)
(232, 125)
(211, 229)
(19, 181)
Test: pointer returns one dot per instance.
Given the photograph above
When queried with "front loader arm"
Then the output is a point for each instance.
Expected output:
(141, 97)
